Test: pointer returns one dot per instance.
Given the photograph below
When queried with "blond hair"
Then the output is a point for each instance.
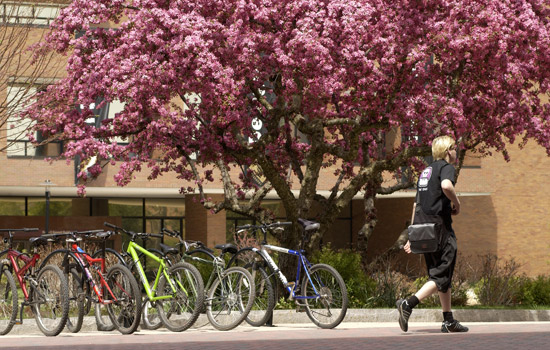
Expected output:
(440, 146)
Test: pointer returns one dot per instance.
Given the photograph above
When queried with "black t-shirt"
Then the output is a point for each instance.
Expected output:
(429, 194)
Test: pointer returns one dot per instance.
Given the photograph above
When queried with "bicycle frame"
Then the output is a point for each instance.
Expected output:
(133, 249)
(218, 265)
(304, 263)
(30, 262)
(83, 256)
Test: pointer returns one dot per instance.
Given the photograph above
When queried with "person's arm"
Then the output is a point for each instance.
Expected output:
(449, 191)
(407, 246)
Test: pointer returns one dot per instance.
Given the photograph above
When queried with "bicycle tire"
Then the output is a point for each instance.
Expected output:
(265, 299)
(182, 310)
(76, 302)
(103, 321)
(172, 258)
(57, 257)
(8, 301)
(230, 298)
(50, 300)
(329, 310)
(125, 310)
(150, 317)
(66, 260)
(112, 257)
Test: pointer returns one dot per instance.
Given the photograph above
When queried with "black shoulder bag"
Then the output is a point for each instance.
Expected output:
(425, 235)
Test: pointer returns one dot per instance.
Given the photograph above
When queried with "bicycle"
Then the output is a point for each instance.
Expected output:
(116, 289)
(322, 291)
(177, 292)
(47, 294)
(231, 291)
(150, 318)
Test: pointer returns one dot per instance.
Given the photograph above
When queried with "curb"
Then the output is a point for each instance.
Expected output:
(352, 316)
(423, 315)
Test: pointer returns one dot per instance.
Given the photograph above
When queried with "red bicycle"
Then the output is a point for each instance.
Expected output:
(114, 289)
(45, 290)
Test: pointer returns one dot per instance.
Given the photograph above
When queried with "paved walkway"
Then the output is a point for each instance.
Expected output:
(349, 335)
(359, 316)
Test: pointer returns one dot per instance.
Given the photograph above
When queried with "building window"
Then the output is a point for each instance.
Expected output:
(28, 14)
(12, 206)
(18, 143)
(36, 206)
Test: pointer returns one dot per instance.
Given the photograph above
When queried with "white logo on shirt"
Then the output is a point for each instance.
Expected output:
(425, 177)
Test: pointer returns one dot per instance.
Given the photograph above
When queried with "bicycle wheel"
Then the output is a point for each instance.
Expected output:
(230, 298)
(50, 300)
(172, 258)
(112, 257)
(103, 321)
(77, 300)
(186, 289)
(67, 261)
(124, 305)
(329, 308)
(264, 300)
(150, 317)
(8, 302)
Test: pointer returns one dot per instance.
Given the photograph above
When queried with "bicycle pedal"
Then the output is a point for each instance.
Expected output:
(18, 322)
(292, 285)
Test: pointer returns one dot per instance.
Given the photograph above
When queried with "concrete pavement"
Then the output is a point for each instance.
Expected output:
(349, 335)
(368, 317)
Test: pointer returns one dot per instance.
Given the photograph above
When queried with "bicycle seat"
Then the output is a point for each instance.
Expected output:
(167, 249)
(38, 241)
(228, 247)
(103, 235)
(309, 225)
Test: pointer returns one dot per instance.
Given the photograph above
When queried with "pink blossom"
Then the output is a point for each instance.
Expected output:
(336, 76)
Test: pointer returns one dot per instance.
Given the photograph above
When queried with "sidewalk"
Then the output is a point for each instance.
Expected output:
(363, 317)
(348, 335)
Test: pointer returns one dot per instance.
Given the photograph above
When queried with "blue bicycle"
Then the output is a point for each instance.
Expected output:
(321, 290)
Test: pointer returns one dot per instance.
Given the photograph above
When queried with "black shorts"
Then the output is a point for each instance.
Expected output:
(441, 264)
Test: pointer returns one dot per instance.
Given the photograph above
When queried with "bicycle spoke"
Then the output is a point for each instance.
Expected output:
(185, 289)
(50, 300)
(329, 305)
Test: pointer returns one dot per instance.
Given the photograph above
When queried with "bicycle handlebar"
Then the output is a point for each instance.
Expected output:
(132, 234)
(25, 229)
(264, 226)
(188, 244)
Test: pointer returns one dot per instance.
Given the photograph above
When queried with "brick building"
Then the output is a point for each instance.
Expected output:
(504, 205)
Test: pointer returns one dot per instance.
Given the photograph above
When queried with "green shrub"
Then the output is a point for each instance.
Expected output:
(390, 285)
(348, 263)
(500, 283)
(536, 292)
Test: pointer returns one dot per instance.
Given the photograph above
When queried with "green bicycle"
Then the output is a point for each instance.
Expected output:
(230, 291)
(177, 292)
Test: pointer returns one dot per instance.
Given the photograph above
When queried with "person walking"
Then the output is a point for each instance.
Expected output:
(436, 196)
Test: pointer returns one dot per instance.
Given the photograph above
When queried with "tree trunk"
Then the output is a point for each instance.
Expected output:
(288, 263)
(371, 219)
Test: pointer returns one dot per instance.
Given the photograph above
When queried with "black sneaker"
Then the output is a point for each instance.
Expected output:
(404, 314)
(453, 327)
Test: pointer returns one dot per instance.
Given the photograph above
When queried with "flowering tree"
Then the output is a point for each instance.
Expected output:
(328, 79)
